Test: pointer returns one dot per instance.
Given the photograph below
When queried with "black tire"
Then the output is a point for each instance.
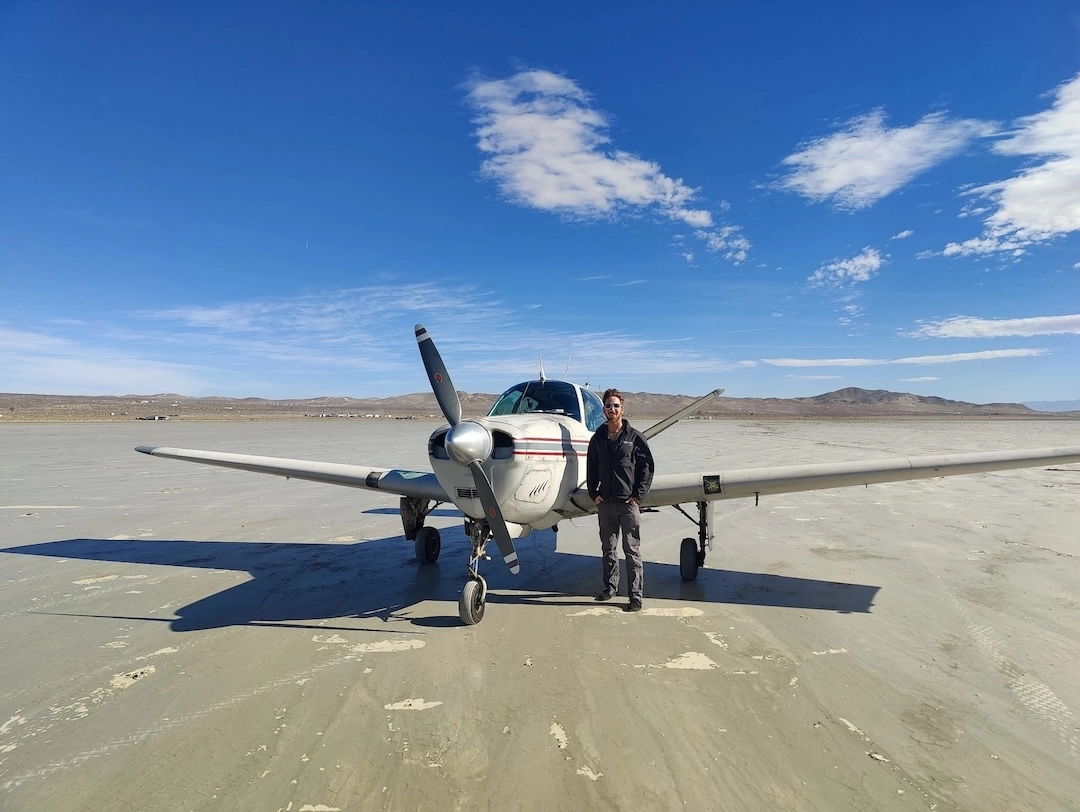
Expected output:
(688, 560)
(471, 603)
(428, 545)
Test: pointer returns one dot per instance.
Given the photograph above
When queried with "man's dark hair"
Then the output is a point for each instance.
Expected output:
(609, 393)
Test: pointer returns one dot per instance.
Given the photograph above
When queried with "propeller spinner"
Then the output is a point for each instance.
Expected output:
(468, 443)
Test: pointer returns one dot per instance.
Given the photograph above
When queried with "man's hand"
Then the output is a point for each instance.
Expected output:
(632, 502)
(598, 500)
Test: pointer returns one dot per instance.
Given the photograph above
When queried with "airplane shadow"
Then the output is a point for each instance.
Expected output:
(295, 582)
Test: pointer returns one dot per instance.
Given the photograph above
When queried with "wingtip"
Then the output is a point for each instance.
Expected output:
(146, 449)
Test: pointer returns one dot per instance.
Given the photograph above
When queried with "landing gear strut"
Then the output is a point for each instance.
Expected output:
(692, 551)
(473, 598)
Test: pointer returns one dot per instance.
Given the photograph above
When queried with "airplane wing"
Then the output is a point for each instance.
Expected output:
(673, 489)
(678, 489)
(415, 484)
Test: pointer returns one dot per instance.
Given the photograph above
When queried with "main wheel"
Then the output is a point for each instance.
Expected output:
(428, 545)
(471, 603)
(688, 560)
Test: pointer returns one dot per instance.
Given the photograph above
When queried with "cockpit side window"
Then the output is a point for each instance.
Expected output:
(594, 410)
(507, 402)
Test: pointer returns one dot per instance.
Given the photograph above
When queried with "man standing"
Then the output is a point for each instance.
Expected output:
(619, 473)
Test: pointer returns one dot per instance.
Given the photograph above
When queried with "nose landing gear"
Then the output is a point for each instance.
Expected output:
(473, 597)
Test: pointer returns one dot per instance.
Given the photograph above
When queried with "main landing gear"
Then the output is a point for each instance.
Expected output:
(692, 551)
(428, 541)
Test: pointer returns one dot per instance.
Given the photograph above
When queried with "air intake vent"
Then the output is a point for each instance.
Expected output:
(467, 493)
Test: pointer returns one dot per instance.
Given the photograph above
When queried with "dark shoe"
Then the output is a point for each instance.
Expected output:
(606, 595)
(633, 606)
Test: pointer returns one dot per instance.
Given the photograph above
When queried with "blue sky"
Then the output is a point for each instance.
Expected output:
(776, 197)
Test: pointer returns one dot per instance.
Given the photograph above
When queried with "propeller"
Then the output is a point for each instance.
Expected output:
(468, 443)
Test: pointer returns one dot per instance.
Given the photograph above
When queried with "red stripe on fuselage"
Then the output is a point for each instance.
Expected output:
(550, 453)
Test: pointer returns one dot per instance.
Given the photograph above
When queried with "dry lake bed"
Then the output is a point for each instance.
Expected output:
(180, 637)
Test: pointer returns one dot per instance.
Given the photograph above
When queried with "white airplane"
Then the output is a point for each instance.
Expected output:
(522, 468)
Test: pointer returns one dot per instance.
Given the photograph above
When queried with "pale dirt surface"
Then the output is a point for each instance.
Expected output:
(179, 637)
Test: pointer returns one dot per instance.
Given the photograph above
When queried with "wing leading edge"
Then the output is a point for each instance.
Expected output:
(415, 484)
(673, 489)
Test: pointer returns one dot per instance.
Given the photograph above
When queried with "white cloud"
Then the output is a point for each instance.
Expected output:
(36, 362)
(851, 314)
(971, 327)
(548, 149)
(357, 341)
(824, 362)
(979, 245)
(726, 239)
(812, 377)
(983, 355)
(903, 235)
(14, 342)
(920, 379)
(841, 272)
(866, 160)
(1043, 201)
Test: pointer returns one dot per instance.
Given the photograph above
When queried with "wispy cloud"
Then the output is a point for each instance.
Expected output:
(823, 362)
(843, 272)
(903, 235)
(865, 160)
(920, 379)
(982, 355)
(1043, 201)
(812, 377)
(548, 149)
(727, 240)
(971, 327)
(852, 312)
(357, 341)
(36, 362)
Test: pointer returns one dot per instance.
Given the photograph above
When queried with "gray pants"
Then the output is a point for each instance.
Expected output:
(624, 517)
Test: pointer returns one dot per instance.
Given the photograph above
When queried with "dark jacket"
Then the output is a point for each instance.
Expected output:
(619, 469)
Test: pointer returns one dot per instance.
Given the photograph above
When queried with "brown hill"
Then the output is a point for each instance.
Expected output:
(843, 403)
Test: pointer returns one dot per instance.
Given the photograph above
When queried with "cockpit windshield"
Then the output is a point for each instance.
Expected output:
(548, 397)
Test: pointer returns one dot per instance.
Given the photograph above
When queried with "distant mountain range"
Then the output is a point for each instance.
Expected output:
(843, 403)
(1054, 405)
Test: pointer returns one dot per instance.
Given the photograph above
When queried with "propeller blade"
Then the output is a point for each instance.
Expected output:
(494, 517)
(441, 384)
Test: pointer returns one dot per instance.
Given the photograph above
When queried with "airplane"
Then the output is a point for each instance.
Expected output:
(522, 468)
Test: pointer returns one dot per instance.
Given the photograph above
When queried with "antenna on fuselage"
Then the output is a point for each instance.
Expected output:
(566, 375)
(542, 376)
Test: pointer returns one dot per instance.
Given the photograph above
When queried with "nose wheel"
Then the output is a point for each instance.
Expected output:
(472, 601)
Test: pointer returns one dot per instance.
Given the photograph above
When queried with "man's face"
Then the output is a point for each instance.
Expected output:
(613, 409)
